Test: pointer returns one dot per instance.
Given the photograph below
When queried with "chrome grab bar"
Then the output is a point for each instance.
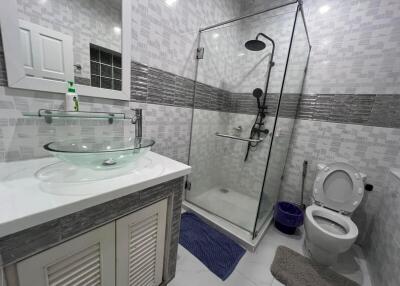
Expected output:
(239, 138)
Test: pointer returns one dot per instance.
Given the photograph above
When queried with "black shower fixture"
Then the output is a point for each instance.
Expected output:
(257, 93)
(255, 45)
(258, 128)
(258, 45)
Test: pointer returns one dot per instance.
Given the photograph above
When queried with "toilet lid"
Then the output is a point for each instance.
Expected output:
(339, 187)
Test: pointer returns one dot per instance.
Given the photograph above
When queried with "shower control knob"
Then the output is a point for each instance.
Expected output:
(369, 187)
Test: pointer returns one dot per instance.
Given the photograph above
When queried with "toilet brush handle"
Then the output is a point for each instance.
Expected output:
(303, 180)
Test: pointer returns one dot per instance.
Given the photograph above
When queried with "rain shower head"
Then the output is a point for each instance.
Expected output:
(255, 45)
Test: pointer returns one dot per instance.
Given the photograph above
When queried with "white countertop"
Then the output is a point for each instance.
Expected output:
(36, 191)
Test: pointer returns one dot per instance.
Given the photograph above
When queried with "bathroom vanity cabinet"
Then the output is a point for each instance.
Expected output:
(127, 251)
(124, 233)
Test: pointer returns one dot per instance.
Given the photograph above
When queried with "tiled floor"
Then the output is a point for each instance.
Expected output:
(253, 268)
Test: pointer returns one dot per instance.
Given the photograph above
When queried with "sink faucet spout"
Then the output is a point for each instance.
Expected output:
(138, 121)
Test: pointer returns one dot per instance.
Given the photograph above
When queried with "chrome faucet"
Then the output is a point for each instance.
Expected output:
(138, 121)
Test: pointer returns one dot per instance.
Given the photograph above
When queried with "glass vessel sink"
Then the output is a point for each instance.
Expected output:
(100, 153)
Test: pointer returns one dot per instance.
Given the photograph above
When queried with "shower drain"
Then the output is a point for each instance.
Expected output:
(224, 191)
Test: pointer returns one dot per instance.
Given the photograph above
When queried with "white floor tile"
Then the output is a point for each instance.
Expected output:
(276, 283)
(254, 268)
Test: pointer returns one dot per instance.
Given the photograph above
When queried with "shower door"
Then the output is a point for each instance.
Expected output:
(292, 87)
(223, 181)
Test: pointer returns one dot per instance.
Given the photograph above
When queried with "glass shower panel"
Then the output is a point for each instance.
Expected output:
(286, 113)
(222, 181)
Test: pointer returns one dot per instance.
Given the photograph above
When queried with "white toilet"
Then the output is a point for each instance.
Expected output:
(337, 192)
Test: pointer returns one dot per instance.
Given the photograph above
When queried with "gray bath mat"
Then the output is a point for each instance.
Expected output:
(294, 269)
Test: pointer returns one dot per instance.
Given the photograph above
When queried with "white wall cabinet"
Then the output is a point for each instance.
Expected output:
(127, 252)
(47, 53)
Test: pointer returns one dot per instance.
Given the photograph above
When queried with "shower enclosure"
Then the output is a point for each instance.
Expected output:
(250, 74)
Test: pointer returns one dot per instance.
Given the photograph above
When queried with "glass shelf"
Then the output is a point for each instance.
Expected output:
(49, 114)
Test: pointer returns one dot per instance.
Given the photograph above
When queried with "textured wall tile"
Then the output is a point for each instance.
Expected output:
(23, 137)
(184, 90)
(364, 109)
(386, 111)
(139, 82)
(88, 23)
(383, 247)
(165, 36)
(161, 87)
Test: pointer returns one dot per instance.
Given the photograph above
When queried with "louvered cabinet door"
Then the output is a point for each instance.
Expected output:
(140, 246)
(86, 260)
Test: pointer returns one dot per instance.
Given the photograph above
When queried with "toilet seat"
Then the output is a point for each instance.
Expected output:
(339, 187)
(337, 218)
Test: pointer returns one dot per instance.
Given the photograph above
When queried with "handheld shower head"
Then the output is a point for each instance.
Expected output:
(257, 93)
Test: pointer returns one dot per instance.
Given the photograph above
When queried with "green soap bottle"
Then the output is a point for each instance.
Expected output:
(71, 98)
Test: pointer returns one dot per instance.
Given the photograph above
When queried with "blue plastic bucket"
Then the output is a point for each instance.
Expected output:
(288, 217)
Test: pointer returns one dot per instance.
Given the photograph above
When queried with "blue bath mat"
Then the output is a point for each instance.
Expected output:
(215, 250)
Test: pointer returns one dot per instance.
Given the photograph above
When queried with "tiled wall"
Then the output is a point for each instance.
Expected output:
(219, 162)
(381, 110)
(86, 21)
(229, 65)
(353, 84)
(383, 251)
(165, 36)
(352, 79)
(155, 86)
(350, 110)
(169, 126)
(23, 137)
(355, 47)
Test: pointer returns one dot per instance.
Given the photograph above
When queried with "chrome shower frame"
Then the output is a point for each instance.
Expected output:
(256, 236)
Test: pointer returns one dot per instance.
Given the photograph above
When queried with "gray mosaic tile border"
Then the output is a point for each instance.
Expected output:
(381, 110)
(30, 241)
(155, 86)
(151, 85)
